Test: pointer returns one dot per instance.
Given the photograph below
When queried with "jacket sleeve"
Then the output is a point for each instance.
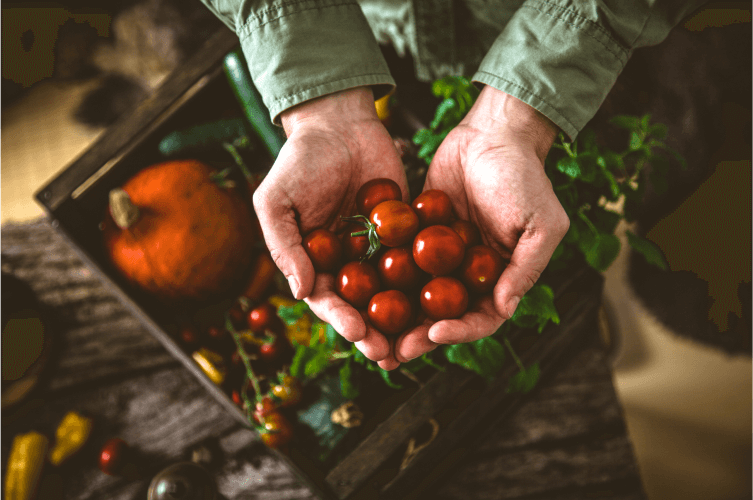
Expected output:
(298, 50)
(563, 56)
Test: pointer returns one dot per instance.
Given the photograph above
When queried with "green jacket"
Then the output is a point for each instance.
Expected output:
(559, 56)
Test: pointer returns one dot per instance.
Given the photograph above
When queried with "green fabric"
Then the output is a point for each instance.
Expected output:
(559, 56)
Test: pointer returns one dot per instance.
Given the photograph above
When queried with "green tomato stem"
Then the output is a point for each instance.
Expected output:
(514, 355)
(244, 357)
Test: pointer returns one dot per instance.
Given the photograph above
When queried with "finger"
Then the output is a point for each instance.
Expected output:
(283, 238)
(529, 259)
(374, 345)
(389, 363)
(414, 343)
(476, 324)
(328, 306)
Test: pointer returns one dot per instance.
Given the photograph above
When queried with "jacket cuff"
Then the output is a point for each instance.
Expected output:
(555, 60)
(297, 51)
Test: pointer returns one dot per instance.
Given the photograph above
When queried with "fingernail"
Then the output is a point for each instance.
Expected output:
(293, 283)
(512, 304)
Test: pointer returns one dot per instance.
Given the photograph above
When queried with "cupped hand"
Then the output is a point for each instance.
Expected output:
(335, 144)
(492, 168)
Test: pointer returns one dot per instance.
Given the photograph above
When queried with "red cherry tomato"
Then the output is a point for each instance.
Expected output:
(444, 298)
(398, 270)
(374, 192)
(396, 223)
(481, 268)
(324, 249)
(277, 430)
(189, 336)
(438, 250)
(217, 333)
(113, 456)
(354, 247)
(390, 312)
(263, 408)
(433, 207)
(467, 232)
(262, 317)
(356, 283)
(270, 351)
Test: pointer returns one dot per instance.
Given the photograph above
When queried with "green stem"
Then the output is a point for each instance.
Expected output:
(514, 356)
(588, 222)
(341, 355)
(244, 356)
(230, 148)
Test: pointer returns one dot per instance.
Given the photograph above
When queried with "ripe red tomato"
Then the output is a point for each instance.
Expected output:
(277, 430)
(354, 247)
(433, 207)
(398, 270)
(390, 312)
(324, 249)
(270, 351)
(374, 192)
(481, 268)
(438, 250)
(467, 232)
(113, 456)
(356, 283)
(262, 317)
(396, 223)
(189, 336)
(263, 408)
(444, 298)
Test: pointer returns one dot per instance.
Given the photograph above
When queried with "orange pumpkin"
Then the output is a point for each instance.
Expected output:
(173, 231)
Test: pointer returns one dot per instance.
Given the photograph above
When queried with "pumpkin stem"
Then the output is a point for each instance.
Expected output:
(123, 211)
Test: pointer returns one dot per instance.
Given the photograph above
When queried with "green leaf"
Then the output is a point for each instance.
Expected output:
(588, 167)
(445, 107)
(387, 380)
(317, 364)
(302, 355)
(636, 141)
(603, 251)
(645, 120)
(587, 140)
(293, 313)
(536, 308)
(626, 122)
(431, 145)
(605, 220)
(569, 166)
(658, 130)
(347, 387)
(421, 136)
(331, 336)
(648, 250)
(484, 356)
(525, 380)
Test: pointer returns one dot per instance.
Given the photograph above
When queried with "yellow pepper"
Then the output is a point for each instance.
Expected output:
(70, 436)
(212, 365)
(25, 463)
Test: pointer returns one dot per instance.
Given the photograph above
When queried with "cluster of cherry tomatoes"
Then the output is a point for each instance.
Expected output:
(403, 263)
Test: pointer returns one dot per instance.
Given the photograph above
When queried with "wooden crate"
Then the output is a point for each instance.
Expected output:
(371, 463)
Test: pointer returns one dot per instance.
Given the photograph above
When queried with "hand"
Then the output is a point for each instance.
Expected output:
(335, 144)
(492, 168)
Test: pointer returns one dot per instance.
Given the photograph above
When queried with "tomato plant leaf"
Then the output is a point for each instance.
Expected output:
(536, 308)
(658, 130)
(293, 313)
(525, 380)
(445, 107)
(317, 363)
(484, 356)
(603, 251)
(605, 220)
(300, 358)
(387, 380)
(648, 249)
(569, 166)
(347, 387)
(626, 122)
(636, 141)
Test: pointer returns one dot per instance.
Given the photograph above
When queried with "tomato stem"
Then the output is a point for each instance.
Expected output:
(374, 243)
(244, 356)
(514, 356)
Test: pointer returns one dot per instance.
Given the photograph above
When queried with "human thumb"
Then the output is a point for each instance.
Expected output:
(283, 238)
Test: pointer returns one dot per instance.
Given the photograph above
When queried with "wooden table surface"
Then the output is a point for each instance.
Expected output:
(567, 440)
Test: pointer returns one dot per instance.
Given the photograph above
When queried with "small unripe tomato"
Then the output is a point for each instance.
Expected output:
(289, 392)
(356, 283)
(396, 223)
(444, 298)
(374, 192)
(433, 207)
(324, 249)
(390, 312)
(481, 268)
(438, 250)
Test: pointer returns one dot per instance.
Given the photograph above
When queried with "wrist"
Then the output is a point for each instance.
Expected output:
(500, 113)
(346, 105)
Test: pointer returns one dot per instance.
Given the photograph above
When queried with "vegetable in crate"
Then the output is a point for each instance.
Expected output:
(174, 231)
